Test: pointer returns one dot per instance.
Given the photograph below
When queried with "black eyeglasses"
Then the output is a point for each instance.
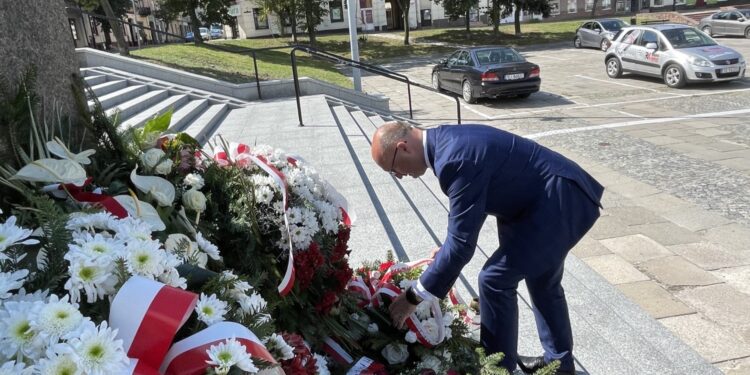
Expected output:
(393, 162)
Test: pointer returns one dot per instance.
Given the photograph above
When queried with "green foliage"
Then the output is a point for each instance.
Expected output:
(455, 9)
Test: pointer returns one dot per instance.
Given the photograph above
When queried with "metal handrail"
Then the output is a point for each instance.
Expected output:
(125, 22)
(253, 53)
(357, 64)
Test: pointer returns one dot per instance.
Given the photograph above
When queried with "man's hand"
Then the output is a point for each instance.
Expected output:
(400, 309)
(434, 252)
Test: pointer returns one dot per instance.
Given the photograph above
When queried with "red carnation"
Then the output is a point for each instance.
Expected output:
(306, 263)
(303, 362)
(326, 303)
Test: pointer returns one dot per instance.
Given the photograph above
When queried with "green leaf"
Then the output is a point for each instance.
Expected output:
(159, 124)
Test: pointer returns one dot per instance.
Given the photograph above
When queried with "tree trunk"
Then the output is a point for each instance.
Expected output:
(116, 27)
(405, 11)
(467, 21)
(495, 18)
(195, 25)
(310, 28)
(517, 19)
(593, 9)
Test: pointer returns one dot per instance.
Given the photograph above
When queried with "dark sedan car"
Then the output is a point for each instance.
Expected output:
(486, 72)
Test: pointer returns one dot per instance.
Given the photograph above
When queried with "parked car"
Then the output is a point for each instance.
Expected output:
(216, 32)
(676, 53)
(486, 72)
(205, 35)
(597, 33)
(731, 22)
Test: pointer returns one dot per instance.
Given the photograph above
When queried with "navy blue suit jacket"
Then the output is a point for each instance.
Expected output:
(533, 191)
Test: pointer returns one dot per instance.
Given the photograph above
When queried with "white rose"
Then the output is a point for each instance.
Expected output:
(430, 362)
(164, 167)
(410, 337)
(395, 353)
(372, 328)
(430, 328)
(424, 310)
(152, 157)
(195, 180)
(194, 200)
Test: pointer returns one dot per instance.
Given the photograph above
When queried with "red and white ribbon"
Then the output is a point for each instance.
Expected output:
(467, 316)
(336, 351)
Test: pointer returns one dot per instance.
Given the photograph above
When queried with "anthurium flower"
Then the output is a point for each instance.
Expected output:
(58, 148)
(141, 210)
(63, 171)
(159, 188)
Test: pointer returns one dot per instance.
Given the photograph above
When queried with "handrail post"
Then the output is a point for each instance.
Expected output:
(296, 85)
(458, 109)
(257, 79)
(408, 91)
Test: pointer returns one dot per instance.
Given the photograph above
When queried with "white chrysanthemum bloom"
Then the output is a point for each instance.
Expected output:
(294, 214)
(96, 278)
(252, 304)
(430, 328)
(329, 216)
(13, 368)
(210, 309)
(98, 351)
(130, 228)
(17, 336)
(395, 353)
(207, 247)
(58, 318)
(230, 353)
(95, 246)
(11, 281)
(195, 180)
(448, 318)
(278, 347)
(423, 310)
(263, 180)
(22, 296)
(144, 258)
(100, 220)
(58, 363)
(263, 194)
(410, 337)
(431, 362)
(372, 328)
(10, 235)
(321, 364)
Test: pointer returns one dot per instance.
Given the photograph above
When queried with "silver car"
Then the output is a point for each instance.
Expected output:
(676, 53)
(598, 33)
(731, 22)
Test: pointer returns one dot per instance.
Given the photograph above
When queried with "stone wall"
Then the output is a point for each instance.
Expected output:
(37, 33)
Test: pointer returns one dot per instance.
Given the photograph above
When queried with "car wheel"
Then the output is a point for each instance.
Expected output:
(435, 81)
(604, 44)
(524, 96)
(577, 42)
(747, 33)
(614, 69)
(674, 76)
(468, 93)
(707, 30)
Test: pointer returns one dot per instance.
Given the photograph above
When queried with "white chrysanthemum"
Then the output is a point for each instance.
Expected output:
(17, 336)
(58, 364)
(100, 220)
(448, 318)
(321, 363)
(372, 328)
(22, 296)
(131, 228)
(278, 347)
(431, 362)
(11, 281)
(252, 304)
(10, 235)
(96, 278)
(94, 246)
(406, 284)
(207, 247)
(230, 353)
(195, 180)
(263, 180)
(98, 351)
(144, 258)
(210, 309)
(410, 337)
(58, 318)
(423, 310)
(263, 194)
(13, 368)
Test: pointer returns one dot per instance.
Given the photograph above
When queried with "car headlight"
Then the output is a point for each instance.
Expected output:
(608, 35)
(699, 61)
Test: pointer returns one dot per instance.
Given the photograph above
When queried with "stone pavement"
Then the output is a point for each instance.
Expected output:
(675, 232)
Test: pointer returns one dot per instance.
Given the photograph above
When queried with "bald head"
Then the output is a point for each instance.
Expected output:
(397, 148)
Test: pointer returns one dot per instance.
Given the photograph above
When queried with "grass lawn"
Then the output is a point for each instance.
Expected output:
(275, 64)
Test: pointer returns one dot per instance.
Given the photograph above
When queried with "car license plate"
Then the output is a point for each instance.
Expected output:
(731, 69)
(514, 76)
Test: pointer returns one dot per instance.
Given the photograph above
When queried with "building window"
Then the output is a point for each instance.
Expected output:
(364, 4)
(606, 4)
(261, 21)
(589, 5)
(658, 3)
(337, 11)
(554, 6)
(622, 6)
(572, 6)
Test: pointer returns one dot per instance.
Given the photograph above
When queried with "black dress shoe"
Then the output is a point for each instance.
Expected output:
(530, 365)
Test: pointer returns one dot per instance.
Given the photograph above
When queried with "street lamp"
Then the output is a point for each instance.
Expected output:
(353, 43)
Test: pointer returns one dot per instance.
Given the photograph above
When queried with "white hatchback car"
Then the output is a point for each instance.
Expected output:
(676, 53)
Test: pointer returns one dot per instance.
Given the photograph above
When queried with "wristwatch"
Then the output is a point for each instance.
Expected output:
(412, 296)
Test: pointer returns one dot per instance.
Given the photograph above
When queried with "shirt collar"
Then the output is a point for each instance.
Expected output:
(424, 147)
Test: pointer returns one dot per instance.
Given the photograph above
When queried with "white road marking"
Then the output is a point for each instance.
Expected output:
(464, 105)
(546, 57)
(628, 113)
(619, 83)
(637, 122)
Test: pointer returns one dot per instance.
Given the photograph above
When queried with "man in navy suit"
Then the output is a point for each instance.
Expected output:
(543, 203)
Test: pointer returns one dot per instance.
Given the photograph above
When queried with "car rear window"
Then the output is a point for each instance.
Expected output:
(613, 25)
(687, 37)
(498, 56)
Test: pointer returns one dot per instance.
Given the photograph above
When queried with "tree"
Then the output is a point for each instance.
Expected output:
(531, 6)
(593, 8)
(113, 9)
(201, 12)
(405, 4)
(495, 13)
(313, 12)
(168, 14)
(457, 8)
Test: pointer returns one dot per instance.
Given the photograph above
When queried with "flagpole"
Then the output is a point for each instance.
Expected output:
(353, 42)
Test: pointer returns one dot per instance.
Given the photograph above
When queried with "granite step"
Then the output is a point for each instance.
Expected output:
(174, 102)
(182, 117)
(136, 105)
(203, 126)
(112, 99)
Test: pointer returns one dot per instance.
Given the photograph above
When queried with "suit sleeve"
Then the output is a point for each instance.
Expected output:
(467, 192)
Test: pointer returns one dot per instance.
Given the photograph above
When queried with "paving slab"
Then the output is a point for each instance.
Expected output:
(675, 271)
(695, 218)
(658, 302)
(589, 247)
(737, 277)
(634, 189)
(662, 202)
(666, 233)
(722, 304)
(634, 215)
(609, 227)
(735, 367)
(636, 248)
(709, 256)
(711, 340)
(731, 236)
(615, 269)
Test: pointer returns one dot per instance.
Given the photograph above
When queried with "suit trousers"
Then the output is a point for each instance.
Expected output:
(533, 248)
